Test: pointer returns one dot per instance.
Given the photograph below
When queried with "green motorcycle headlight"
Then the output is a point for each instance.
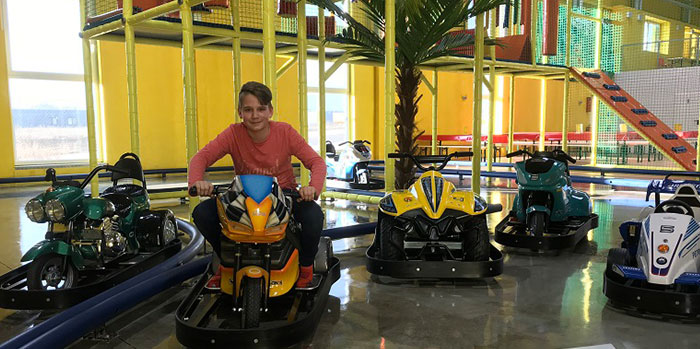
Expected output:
(55, 210)
(35, 211)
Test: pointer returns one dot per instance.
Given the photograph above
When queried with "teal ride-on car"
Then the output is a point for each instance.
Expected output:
(548, 213)
(92, 243)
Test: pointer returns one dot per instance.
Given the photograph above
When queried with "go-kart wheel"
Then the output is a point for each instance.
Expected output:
(323, 257)
(619, 256)
(475, 241)
(390, 240)
(252, 294)
(47, 272)
(536, 223)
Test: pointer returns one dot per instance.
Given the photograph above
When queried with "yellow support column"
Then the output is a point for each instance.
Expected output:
(596, 106)
(543, 113)
(189, 84)
(433, 141)
(236, 22)
(533, 30)
(492, 94)
(594, 132)
(389, 87)
(322, 82)
(269, 47)
(567, 77)
(565, 116)
(476, 119)
(511, 113)
(132, 102)
(301, 77)
(89, 102)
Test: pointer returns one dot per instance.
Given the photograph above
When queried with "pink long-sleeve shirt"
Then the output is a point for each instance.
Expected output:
(271, 157)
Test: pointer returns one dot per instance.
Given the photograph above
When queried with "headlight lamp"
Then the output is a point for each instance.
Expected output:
(35, 211)
(55, 210)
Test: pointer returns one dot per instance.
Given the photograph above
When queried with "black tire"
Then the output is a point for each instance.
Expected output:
(44, 273)
(536, 223)
(390, 240)
(475, 241)
(252, 295)
(618, 256)
(322, 260)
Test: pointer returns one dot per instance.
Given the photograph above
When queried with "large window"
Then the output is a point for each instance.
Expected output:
(47, 96)
(485, 111)
(336, 104)
(652, 36)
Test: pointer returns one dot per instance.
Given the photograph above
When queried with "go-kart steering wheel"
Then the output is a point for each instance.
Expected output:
(672, 206)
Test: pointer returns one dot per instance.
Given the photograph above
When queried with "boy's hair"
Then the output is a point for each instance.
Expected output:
(260, 91)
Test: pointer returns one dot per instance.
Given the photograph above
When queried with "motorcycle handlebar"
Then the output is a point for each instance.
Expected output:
(565, 155)
(518, 153)
(418, 160)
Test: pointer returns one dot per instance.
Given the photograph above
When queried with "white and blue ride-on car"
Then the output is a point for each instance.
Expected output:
(656, 271)
(350, 162)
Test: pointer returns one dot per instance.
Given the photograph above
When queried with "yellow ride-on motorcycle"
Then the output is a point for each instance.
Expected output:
(433, 230)
(258, 303)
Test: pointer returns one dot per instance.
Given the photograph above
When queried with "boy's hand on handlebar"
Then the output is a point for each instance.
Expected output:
(204, 188)
(307, 193)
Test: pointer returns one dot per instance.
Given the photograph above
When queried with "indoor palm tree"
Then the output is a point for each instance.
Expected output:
(422, 34)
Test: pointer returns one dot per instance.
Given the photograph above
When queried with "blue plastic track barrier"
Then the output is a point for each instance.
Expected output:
(69, 325)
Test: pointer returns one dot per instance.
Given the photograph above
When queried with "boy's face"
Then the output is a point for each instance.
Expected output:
(255, 116)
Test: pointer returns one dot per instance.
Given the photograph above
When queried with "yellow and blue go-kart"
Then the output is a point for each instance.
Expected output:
(433, 230)
(258, 302)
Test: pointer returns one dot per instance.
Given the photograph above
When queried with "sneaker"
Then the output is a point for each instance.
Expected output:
(214, 282)
(306, 276)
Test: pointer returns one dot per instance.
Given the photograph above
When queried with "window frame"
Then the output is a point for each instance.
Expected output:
(46, 76)
(333, 90)
(654, 45)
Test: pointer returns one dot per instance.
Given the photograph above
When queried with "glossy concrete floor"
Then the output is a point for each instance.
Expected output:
(551, 300)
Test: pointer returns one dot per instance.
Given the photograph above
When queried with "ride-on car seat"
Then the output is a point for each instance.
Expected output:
(689, 195)
(130, 164)
(330, 151)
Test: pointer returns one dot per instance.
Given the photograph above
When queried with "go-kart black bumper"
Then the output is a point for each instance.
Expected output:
(14, 295)
(446, 269)
(197, 307)
(637, 298)
(510, 232)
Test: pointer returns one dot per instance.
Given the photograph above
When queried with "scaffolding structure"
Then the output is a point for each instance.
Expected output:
(589, 37)
(241, 29)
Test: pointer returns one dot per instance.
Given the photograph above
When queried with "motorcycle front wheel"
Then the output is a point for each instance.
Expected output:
(47, 272)
(536, 224)
(252, 294)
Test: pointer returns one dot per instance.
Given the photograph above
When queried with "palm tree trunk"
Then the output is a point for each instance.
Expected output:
(407, 82)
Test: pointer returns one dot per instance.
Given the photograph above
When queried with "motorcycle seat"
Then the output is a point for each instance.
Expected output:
(121, 201)
(330, 151)
(126, 189)
(538, 165)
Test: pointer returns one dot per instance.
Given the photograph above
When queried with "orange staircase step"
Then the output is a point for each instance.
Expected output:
(638, 117)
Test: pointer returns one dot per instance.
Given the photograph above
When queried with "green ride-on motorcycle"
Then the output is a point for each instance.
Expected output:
(92, 243)
(548, 213)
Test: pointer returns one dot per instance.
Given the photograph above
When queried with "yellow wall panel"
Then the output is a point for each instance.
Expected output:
(6, 138)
